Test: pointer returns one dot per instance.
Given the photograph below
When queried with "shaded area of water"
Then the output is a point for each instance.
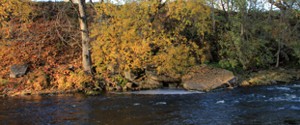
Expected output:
(258, 105)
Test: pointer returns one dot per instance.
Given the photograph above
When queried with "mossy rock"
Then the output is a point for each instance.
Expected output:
(269, 77)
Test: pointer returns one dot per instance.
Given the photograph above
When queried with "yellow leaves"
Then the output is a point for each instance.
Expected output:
(14, 9)
(190, 12)
(146, 32)
(75, 80)
(175, 60)
(14, 15)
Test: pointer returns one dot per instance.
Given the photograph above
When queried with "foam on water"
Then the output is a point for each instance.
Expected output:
(220, 102)
(296, 86)
(283, 88)
(286, 97)
(164, 92)
(279, 88)
(160, 103)
(137, 104)
(295, 107)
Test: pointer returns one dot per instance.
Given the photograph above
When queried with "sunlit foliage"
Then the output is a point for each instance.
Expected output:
(13, 13)
(139, 34)
(14, 9)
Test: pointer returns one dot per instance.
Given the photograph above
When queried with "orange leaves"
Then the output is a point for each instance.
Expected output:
(44, 43)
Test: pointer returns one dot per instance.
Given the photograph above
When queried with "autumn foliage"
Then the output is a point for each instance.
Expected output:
(143, 34)
(47, 40)
(166, 37)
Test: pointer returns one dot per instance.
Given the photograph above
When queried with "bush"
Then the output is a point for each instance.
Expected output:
(236, 51)
(75, 80)
(138, 34)
(38, 80)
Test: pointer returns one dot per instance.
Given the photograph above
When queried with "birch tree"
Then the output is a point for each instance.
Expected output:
(85, 38)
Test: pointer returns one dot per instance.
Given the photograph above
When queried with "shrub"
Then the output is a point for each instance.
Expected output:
(138, 34)
(75, 80)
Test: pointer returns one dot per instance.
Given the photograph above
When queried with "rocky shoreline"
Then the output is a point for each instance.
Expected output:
(201, 78)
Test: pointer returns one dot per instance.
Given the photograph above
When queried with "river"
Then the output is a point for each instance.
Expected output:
(278, 104)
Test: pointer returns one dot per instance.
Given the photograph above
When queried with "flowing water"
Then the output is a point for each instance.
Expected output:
(278, 104)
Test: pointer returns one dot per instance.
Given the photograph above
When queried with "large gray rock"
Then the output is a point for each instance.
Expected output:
(205, 78)
(18, 70)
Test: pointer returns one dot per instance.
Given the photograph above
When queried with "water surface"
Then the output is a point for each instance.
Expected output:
(278, 104)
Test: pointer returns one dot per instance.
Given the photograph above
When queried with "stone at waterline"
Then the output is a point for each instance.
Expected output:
(162, 80)
(153, 80)
(150, 84)
(130, 85)
(118, 88)
(129, 75)
(17, 71)
(205, 78)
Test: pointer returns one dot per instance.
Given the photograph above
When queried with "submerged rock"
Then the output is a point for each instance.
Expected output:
(205, 78)
(17, 71)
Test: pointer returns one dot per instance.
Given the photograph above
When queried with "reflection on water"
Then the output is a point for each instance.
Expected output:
(257, 105)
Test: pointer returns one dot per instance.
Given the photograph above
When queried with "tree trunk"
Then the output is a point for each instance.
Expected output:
(213, 16)
(280, 40)
(270, 12)
(226, 12)
(86, 47)
(278, 55)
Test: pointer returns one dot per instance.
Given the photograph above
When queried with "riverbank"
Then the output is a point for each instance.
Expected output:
(250, 79)
(270, 77)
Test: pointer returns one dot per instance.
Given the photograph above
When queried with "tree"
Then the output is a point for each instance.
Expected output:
(286, 27)
(86, 47)
(242, 42)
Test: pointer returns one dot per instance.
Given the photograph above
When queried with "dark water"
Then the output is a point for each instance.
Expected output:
(258, 105)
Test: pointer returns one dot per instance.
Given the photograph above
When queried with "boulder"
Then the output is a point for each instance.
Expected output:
(18, 70)
(150, 84)
(149, 79)
(162, 78)
(129, 75)
(206, 78)
(129, 85)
